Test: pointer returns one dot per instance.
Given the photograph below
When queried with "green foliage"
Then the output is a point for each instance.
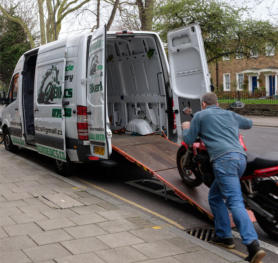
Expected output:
(13, 44)
(224, 31)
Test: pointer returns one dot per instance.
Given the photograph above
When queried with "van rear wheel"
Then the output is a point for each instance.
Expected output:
(63, 168)
(9, 146)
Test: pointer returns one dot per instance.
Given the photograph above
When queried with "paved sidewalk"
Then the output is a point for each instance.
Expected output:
(46, 218)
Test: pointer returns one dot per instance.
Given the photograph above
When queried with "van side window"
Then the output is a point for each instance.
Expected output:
(14, 88)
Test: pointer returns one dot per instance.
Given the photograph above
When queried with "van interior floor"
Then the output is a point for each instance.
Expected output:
(157, 155)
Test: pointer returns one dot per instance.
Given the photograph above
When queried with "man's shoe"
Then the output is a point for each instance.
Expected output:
(255, 252)
(224, 242)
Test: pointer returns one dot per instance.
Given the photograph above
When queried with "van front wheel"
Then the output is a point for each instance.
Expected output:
(63, 168)
(9, 146)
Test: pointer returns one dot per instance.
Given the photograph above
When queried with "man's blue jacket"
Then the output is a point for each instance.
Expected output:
(218, 129)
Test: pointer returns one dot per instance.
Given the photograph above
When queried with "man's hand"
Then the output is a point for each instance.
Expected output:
(185, 125)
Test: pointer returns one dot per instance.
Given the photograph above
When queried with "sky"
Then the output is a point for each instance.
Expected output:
(257, 9)
(260, 9)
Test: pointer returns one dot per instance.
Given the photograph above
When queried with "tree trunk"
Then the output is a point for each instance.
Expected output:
(146, 13)
(42, 23)
(113, 13)
(98, 13)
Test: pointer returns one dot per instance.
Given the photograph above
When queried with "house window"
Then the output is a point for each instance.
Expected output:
(254, 53)
(227, 82)
(239, 55)
(226, 57)
(240, 80)
(269, 50)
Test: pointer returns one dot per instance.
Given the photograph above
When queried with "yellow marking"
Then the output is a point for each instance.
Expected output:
(168, 220)
(75, 188)
(157, 227)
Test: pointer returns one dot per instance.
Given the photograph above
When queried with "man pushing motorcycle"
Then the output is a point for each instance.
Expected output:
(219, 130)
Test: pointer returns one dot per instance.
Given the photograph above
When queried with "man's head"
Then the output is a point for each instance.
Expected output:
(209, 99)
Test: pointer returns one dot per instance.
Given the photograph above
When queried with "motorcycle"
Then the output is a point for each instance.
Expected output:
(259, 183)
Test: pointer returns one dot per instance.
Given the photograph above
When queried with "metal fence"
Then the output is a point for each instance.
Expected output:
(256, 97)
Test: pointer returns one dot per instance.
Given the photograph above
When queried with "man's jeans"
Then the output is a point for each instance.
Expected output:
(226, 190)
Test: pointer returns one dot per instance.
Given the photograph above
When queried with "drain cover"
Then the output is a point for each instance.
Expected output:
(205, 234)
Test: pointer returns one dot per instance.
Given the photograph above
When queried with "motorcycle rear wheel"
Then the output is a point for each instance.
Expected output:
(270, 228)
(190, 176)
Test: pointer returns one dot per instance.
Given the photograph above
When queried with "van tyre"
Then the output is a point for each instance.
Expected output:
(189, 174)
(63, 168)
(9, 146)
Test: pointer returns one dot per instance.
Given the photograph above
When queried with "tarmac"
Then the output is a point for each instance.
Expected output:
(47, 218)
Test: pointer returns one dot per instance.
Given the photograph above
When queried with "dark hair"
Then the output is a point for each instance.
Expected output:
(210, 98)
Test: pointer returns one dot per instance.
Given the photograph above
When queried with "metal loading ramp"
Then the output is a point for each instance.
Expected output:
(157, 155)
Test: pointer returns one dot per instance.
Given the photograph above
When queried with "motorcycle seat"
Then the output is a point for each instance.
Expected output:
(256, 161)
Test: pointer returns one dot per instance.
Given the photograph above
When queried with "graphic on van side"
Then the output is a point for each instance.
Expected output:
(95, 88)
(51, 152)
(17, 140)
(57, 113)
(69, 67)
(50, 87)
(68, 93)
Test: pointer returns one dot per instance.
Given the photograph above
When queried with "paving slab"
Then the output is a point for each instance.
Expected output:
(85, 231)
(16, 243)
(121, 255)
(83, 258)
(46, 252)
(15, 256)
(120, 239)
(22, 229)
(49, 237)
(120, 225)
(84, 245)
(55, 223)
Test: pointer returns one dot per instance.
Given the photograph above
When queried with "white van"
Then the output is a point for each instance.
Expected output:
(68, 97)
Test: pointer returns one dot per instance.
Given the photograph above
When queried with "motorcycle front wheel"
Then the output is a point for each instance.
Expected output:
(189, 175)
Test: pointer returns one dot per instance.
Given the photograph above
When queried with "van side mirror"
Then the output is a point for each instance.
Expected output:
(4, 101)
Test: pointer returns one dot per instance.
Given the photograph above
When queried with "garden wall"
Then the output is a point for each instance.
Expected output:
(256, 109)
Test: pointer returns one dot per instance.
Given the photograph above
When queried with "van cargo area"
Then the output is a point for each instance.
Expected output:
(136, 85)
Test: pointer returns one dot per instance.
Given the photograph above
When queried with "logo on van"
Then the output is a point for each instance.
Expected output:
(50, 87)
(95, 45)
(95, 88)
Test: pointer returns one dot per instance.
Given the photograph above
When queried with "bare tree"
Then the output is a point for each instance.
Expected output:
(51, 15)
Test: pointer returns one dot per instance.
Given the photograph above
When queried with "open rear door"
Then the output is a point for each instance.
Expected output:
(49, 116)
(99, 133)
(188, 71)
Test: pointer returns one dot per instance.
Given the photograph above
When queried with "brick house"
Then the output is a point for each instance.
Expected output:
(257, 73)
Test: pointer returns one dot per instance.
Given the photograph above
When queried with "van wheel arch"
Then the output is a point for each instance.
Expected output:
(9, 146)
(64, 168)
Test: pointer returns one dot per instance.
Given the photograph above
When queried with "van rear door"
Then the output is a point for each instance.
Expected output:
(99, 133)
(49, 116)
(189, 73)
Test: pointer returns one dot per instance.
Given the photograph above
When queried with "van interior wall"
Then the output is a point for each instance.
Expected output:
(135, 84)
(28, 93)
